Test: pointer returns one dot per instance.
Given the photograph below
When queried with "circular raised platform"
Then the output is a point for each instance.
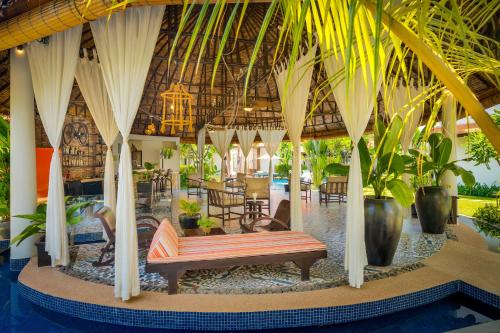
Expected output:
(457, 267)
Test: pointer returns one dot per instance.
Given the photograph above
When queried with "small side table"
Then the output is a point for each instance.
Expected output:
(254, 206)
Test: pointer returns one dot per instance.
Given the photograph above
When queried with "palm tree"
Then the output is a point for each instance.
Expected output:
(317, 156)
(446, 37)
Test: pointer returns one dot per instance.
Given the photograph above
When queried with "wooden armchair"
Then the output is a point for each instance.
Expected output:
(260, 186)
(165, 182)
(257, 221)
(236, 184)
(145, 195)
(145, 232)
(334, 190)
(195, 185)
(305, 189)
(227, 201)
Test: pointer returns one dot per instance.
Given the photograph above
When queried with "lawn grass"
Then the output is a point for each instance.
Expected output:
(467, 205)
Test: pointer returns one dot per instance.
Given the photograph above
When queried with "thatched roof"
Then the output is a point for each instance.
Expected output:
(223, 104)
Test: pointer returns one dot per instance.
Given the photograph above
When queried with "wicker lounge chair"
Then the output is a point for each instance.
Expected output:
(172, 256)
(334, 190)
(145, 233)
(258, 221)
(259, 185)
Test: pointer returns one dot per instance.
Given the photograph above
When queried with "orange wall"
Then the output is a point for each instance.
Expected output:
(43, 157)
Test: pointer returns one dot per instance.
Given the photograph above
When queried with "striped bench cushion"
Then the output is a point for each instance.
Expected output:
(165, 242)
(241, 245)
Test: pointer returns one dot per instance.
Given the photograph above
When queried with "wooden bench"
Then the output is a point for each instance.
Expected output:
(194, 253)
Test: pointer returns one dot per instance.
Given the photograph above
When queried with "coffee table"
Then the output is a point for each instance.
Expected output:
(198, 232)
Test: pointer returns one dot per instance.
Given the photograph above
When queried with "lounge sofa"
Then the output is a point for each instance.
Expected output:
(172, 256)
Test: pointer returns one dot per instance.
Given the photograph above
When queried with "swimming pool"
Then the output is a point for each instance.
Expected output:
(456, 311)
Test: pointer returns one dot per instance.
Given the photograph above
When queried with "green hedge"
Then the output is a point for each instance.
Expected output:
(479, 190)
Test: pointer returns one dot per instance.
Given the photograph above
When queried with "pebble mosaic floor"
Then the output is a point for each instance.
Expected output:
(327, 224)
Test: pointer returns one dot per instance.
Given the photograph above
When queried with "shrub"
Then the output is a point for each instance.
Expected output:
(185, 171)
(283, 170)
(479, 190)
(487, 219)
(189, 207)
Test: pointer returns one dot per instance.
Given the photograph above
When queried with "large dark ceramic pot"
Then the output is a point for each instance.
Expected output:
(433, 208)
(383, 223)
(43, 256)
(189, 222)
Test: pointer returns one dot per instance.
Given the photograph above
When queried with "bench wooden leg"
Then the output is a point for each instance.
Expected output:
(305, 267)
(173, 281)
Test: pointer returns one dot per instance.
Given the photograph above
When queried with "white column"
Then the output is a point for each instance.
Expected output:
(22, 150)
(449, 120)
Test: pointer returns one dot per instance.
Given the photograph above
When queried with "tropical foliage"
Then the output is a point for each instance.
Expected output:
(317, 158)
(480, 149)
(436, 161)
(189, 207)
(39, 218)
(479, 190)
(166, 153)
(383, 169)
(189, 162)
(206, 222)
(4, 168)
(487, 219)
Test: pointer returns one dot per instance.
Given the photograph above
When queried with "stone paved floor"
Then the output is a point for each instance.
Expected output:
(324, 223)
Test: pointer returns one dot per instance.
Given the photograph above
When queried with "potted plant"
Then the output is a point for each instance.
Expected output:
(191, 214)
(433, 202)
(383, 214)
(37, 226)
(206, 224)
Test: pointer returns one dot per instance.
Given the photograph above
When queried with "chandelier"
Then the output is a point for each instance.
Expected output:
(151, 128)
(178, 102)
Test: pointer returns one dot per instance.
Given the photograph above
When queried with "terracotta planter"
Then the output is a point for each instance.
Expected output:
(433, 205)
(206, 230)
(189, 222)
(383, 223)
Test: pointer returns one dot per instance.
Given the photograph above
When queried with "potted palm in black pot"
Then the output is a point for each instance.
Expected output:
(383, 213)
(37, 226)
(191, 214)
(433, 203)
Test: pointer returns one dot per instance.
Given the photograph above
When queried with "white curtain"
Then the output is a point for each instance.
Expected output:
(200, 147)
(221, 139)
(246, 138)
(449, 119)
(407, 103)
(355, 111)
(89, 77)
(294, 102)
(271, 139)
(125, 44)
(53, 68)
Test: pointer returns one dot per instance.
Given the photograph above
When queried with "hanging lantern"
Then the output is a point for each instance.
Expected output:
(177, 109)
(151, 128)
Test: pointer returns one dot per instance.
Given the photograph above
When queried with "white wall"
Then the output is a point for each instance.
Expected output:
(151, 146)
(481, 172)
